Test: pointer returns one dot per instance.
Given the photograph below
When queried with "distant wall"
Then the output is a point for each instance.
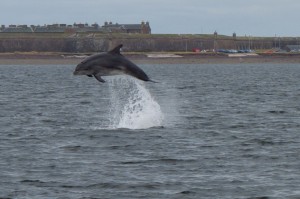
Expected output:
(135, 44)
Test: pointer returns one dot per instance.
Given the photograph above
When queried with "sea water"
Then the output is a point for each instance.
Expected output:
(204, 131)
(131, 105)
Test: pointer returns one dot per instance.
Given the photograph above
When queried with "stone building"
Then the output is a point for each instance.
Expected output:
(142, 28)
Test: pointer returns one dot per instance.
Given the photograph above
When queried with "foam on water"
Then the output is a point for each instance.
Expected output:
(131, 105)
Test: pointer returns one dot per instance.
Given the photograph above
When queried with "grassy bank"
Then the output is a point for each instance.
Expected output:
(4, 35)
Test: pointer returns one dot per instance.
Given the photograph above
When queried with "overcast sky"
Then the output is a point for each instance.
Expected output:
(245, 17)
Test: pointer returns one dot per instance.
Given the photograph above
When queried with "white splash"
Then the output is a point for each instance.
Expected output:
(131, 105)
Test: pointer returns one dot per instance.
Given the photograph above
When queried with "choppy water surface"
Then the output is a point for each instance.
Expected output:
(204, 131)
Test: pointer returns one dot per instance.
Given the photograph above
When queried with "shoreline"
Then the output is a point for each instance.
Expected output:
(147, 58)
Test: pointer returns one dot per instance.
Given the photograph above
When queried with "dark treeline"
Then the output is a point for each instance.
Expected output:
(178, 43)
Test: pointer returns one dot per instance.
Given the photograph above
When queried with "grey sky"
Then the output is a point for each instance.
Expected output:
(245, 17)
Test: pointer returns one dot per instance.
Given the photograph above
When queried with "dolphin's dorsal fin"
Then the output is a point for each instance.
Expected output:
(116, 50)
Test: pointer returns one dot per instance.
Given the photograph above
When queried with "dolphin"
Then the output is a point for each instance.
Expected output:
(109, 63)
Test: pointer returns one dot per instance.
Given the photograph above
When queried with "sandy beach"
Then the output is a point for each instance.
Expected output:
(144, 58)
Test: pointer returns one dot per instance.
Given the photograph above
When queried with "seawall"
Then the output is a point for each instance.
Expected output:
(84, 42)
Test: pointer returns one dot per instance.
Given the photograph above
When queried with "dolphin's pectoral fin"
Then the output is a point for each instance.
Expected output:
(89, 75)
(98, 77)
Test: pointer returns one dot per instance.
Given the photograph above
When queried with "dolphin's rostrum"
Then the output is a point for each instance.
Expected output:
(109, 63)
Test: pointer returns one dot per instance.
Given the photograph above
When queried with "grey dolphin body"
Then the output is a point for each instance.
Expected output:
(109, 63)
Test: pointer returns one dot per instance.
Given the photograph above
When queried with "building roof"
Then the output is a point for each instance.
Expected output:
(49, 29)
(17, 29)
(131, 26)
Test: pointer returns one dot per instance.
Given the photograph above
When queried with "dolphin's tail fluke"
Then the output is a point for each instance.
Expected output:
(154, 81)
